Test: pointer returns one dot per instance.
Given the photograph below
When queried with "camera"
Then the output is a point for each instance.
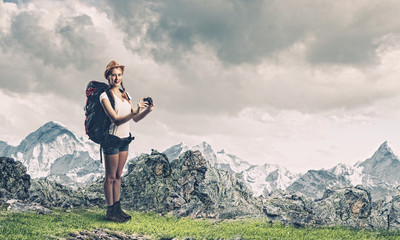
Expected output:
(149, 100)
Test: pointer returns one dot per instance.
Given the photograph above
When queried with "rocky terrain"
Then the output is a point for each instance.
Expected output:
(106, 234)
(55, 153)
(349, 207)
(376, 174)
(14, 181)
(200, 182)
(188, 186)
(22, 193)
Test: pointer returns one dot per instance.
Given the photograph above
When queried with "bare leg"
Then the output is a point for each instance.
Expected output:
(111, 165)
(117, 183)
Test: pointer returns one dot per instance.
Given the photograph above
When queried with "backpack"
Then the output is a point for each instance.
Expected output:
(97, 122)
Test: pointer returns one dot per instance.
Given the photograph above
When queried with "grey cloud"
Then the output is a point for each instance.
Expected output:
(236, 32)
(26, 36)
(131, 16)
(345, 49)
(239, 31)
(76, 40)
(249, 31)
(46, 55)
(79, 42)
(355, 39)
(244, 33)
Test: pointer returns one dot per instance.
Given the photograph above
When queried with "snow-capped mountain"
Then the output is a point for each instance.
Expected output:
(353, 175)
(221, 159)
(231, 163)
(174, 151)
(314, 182)
(384, 164)
(261, 179)
(378, 174)
(55, 152)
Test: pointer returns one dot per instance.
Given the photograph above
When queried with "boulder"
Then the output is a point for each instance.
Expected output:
(348, 206)
(19, 206)
(392, 211)
(14, 181)
(52, 194)
(288, 208)
(185, 187)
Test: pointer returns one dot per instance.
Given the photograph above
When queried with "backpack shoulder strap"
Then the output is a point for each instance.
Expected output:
(110, 97)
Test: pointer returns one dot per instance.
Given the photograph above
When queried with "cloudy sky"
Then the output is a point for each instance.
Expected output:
(302, 84)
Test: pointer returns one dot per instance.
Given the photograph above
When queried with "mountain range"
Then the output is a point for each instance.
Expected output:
(56, 153)
(261, 179)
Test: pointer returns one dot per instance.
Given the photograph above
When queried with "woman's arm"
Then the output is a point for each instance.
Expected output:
(140, 112)
(141, 115)
(105, 102)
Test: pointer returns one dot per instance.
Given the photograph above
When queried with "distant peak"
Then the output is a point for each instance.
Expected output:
(342, 165)
(179, 144)
(340, 168)
(221, 152)
(46, 134)
(51, 129)
(203, 145)
(54, 124)
(385, 146)
(175, 151)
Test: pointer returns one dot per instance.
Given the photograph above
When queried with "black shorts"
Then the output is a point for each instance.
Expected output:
(116, 148)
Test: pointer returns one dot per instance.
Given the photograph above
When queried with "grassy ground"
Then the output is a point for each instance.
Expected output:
(61, 223)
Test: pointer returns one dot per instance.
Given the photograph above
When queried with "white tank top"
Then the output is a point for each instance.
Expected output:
(122, 108)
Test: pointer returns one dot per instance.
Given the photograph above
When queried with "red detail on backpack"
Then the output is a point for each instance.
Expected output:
(90, 91)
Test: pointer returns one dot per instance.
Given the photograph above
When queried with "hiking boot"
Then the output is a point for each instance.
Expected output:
(121, 212)
(113, 215)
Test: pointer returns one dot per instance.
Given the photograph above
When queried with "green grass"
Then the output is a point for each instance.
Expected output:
(61, 223)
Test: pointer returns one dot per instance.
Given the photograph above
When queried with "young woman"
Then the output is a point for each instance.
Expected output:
(116, 156)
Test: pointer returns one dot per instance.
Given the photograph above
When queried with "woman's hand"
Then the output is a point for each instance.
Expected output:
(151, 107)
(141, 104)
(143, 109)
(145, 105)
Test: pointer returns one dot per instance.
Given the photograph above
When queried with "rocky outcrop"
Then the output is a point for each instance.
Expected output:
(106, 234)
(23, 206)
(393, 211)
(16, 184)
(186, 187)
(52, 194)
(349, 207)
(14, 181)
